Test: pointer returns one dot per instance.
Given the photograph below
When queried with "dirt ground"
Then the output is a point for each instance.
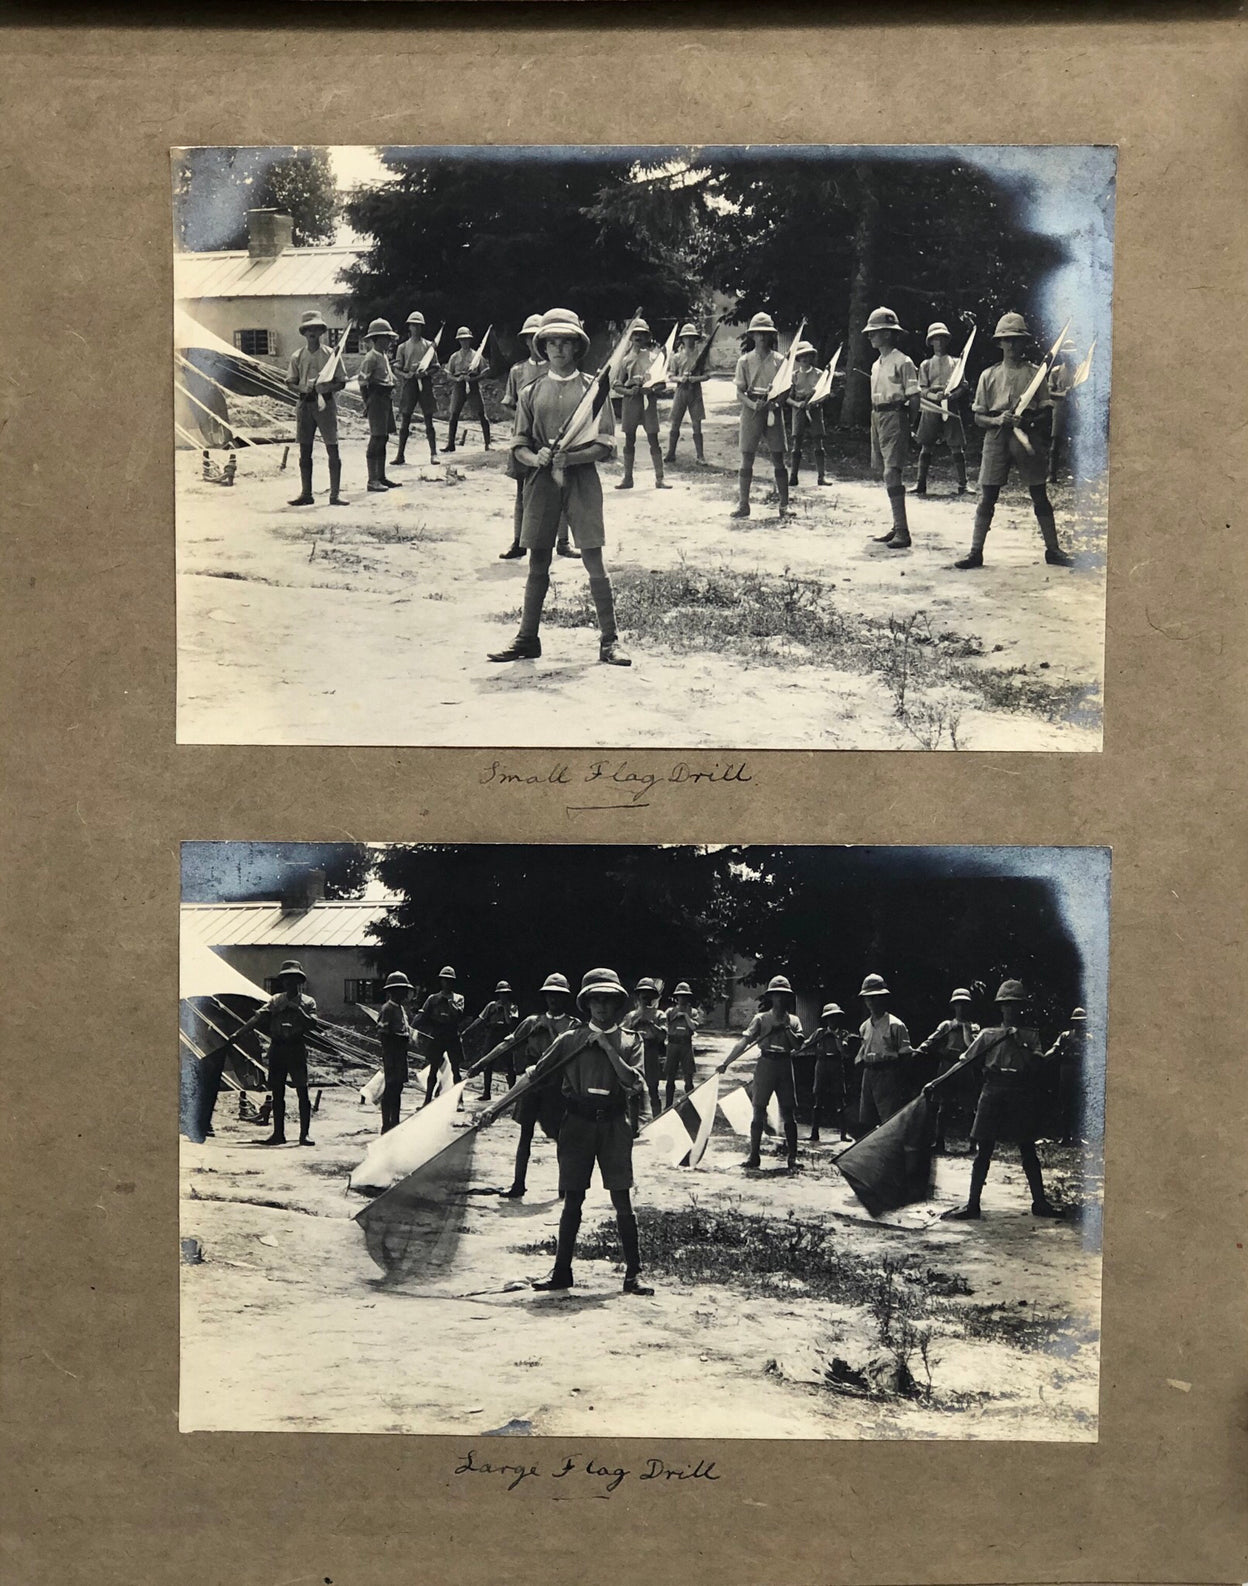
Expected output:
(370, 624)
(287, 1324)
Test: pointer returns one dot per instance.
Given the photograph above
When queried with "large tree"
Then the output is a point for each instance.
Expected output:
(520, 912)
(492, 238)
(213, 188)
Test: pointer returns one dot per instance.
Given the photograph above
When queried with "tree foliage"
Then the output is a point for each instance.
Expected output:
(213, 188)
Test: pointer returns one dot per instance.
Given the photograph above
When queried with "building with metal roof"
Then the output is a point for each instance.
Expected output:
(254, 297)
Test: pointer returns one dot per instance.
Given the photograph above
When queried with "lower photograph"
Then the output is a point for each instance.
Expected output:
(776, 1141)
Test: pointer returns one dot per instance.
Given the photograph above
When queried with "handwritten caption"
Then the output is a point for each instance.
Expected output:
(611, 1477)
(618, 783)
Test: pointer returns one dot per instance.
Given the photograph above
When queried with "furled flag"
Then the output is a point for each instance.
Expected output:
(893, 1165)
(1037, 380)
(478, 357)
(1084, 369)
(738, 1107)
(582, 423)
(683, 1132)
(958, 372)
(661, 362)
(404, 1148)
(783, 382)
(370, 1093)
(431, 351)
(823, 386)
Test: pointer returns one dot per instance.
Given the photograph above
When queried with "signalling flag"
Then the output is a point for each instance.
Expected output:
(415, 1225)
(893, 1165)
(446, 1078)
(370, 1094)
(683, 1132)
(783, 382)
(478, 357)
(582, 425)
(661, 362)
(1084, 369)
(823, 386)
(958, 371)
(738, 1107)
(405, 1148)
(431, 352)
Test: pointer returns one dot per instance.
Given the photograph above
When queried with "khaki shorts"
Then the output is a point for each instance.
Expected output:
(580, 501)
(311, 417)
(890, 440)
(607, 1140)
(1003, 450)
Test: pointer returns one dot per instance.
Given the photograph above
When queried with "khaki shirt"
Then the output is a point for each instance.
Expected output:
(547, 404)
(459, 366)
(999, 389)
(306, 365)
(778, 1034)
(755, 371)
(407, 359)
(519, 375)
(894, 379)
(884, 1040)
(934, 375)
(375, 368)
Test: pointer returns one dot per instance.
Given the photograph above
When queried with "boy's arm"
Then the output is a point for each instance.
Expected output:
(507, 1044)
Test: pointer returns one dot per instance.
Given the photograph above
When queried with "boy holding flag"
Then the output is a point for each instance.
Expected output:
(414, 364)
(562, 480)
(807, 420)
(646, 1021)
(639, 405)
(522, 374)
(760, 423)
(1013, 439)
(439, 1020)
(830, 1046)
(935, 429)
(395, 1034)
(679, 1023)
(377, 391)
(499, 1017)
(777, 1032)
(318, 409)
(466, 367)
(688, 380)
(894, 408)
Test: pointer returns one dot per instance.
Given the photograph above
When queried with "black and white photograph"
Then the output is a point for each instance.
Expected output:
(502, 1140)
(793, 447)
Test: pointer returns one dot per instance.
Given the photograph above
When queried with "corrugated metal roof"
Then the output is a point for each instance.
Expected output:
(333, 923)
(295, 272)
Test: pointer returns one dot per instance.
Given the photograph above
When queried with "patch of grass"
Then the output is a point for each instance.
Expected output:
(786, 618)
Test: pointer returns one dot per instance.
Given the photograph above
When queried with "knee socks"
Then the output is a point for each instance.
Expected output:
(604, 605)
(535, 587)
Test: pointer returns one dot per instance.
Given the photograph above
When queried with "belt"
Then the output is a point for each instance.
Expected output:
(582, 1107)
(888, 407)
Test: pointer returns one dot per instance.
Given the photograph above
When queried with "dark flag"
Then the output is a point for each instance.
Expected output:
(893, 1166)
(415, 1226)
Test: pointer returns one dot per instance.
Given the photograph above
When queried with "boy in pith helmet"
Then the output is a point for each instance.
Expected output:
(894, 409)
(466, 374)
(830, 1045)
(563, 484)
(885, 1057)
(999, 390)
(317, 410)
(599, 1069)
(646, 1021)
(523, 1048)
(1061, 373)
(439, 1021)
(639, 405)
(944, 1048)
(498, 1018)
(679, 1024)
(415, 389)
(377, 391)
(522, 374)
(687, 395)
(777, 1032)
(286, 1019)
(1009, 1102)
(760, 424)
(806, 420)
(934, 429)
(1069, 1053)
(395, 1033)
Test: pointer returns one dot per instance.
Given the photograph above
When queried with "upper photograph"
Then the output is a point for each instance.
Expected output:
(799, 447)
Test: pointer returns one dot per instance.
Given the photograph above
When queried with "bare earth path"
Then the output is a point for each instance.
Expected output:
(286, 1324)
(370, 624)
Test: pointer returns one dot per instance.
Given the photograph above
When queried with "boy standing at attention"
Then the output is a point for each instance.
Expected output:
(679, 1022)
(416, 385)
(934, 428)
(646, 1021)
(1000, 388)
(561, 484)
(639, 405)
(439, 1019)
(806, 420)
(885, 1057)
(395, 1033)
(760, 423)
(466, 371)
(687, 397)
(894, 409)
(318, 409)
(377, 391)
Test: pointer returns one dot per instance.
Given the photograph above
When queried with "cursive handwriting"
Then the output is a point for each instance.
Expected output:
(610, 1476)
(619, 783)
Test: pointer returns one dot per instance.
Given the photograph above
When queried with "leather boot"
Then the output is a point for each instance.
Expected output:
(959, 463)
(305, 497)
(790, 1143)
(631, 1245)
(782, 488)
(900, 538)
(627, 482)
(755, 1158)
(698, 452)
(742, 508)
(1053, 553)
(565, 1247)
(305, 1120)
(670, 455)
(983, 522)
(336, 497)
(925, 461)
(609, 649)
(656, 457)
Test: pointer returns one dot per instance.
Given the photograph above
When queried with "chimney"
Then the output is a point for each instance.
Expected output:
(302, 891)
(268, 232)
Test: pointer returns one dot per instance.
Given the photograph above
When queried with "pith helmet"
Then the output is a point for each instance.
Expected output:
(682, 990)
(1068, 346)
(502, 986)
(557, 983)
(530, 324)
(938, 328)
(831, 1009)
(805, 349)
(762, 324)
(960, 994)
(1079, 1016)
(398, 978)
(415, 317)
(292, 966)
(446, 973)
(1010, 991)
(875, 986)
(646, 984)
(380, 327)
(883, 319)
(687, 330)
(559, 322)
(1011, 326)
(600, 983)
(463, 334)
(312, 321)
(640, 324)
(779, 983)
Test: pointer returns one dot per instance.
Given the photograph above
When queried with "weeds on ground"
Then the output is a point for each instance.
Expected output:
(786, 618)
